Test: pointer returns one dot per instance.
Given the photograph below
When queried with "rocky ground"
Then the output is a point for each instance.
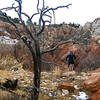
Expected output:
(55, 85)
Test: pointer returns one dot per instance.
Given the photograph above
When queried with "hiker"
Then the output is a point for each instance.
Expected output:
(71, 60)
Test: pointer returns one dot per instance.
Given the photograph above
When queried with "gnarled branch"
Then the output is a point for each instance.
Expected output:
(55, 47)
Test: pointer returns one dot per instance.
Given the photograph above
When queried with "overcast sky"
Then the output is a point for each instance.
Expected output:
(80, 11)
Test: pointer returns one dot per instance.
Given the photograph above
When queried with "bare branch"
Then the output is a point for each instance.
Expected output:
(18, 33)
(43, 4)
(30, 20)
(43, 12)
(20, 7)
(34, 15)
(54, 48)
(20, 17)
(38, 6)
(49, 17)
(52, 9)
(42, 29)
(38, 13)
(54, 17)
(19, 12)
(20, 1)
(9, 8)
(12, 23)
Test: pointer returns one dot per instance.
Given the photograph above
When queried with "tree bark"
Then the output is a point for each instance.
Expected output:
(37, 72)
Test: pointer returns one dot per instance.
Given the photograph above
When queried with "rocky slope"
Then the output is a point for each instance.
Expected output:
(59, 83)
(86, 44)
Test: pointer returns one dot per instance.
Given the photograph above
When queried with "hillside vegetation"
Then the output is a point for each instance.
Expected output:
(57, 82)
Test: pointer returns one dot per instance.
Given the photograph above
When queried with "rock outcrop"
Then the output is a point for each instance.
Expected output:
(96, 96)
(92, 84)
(87, 26)
(94, 27)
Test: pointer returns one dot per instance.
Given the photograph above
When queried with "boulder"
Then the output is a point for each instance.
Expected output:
(96, 96)
(66, 86)
(92, 84)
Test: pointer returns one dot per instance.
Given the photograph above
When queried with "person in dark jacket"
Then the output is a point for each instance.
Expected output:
(71, 60)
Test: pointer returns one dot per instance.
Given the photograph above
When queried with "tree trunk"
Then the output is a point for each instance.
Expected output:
(37, 72)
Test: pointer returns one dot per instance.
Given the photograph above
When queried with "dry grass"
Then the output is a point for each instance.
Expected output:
(5, 95)
(6, 62)
(57, 71)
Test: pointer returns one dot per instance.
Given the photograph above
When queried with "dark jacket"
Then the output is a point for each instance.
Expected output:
(71, 58)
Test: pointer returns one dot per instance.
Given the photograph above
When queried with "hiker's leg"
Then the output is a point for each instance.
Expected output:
(69, 66)
(72, 67)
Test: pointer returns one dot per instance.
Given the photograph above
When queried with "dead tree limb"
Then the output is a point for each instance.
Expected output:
(56, 46)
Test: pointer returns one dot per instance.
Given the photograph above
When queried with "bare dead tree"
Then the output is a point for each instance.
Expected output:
(31, 39)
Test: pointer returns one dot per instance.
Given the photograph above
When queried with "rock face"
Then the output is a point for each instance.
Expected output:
(91, 57)
(87, 26)
(96, 96)
(94, 27)
(92, 84)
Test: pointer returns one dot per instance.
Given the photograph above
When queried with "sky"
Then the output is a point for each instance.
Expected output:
(81, 11)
